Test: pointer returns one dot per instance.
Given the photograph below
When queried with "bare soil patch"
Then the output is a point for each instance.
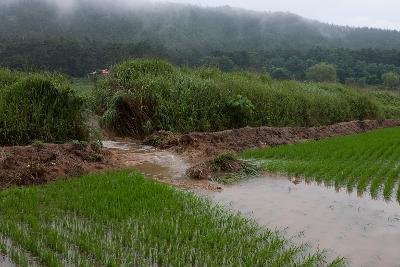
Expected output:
(29, 165)
(206, 145)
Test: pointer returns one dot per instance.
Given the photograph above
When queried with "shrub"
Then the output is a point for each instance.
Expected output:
(322, 72)
(241, 110)
(38, 144)
(280, 74)
(142, 96)
(8, 77)
(391, 79)
(40, 107)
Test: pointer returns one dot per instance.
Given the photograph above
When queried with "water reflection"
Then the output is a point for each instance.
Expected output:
(363, 230)
(5, 261)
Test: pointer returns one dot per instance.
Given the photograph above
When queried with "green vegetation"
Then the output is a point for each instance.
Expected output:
(141, 96)
(284, 45)
(122, 219)
(322, 72)
(391, 79)
(231, 168)
(38, 107)
(365, 161)
(391, 102)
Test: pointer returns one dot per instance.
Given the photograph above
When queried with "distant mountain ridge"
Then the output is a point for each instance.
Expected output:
(186, 27)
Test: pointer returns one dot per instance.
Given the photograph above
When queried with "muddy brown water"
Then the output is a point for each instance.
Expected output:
(149, 160)
(365, 231)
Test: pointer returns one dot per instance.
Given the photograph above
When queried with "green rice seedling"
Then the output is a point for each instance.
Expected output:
(368, 161)
(120, 218)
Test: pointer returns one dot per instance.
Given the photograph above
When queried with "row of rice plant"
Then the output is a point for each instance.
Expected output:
(364, 162)
(157, 95)
(122, 219)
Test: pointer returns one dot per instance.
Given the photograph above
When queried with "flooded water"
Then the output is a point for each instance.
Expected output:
(365, 231)
(5, 261)
(149, 160)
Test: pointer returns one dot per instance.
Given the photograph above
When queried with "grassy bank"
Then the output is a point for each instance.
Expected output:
(365, 162)
(38, 106)
(122, 219)
(141, 96)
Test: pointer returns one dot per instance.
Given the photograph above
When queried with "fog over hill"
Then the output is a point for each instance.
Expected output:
(181, 26)
(77, 36)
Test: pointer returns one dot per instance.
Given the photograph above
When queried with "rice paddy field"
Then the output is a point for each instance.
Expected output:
(121, 218)
(367, 162)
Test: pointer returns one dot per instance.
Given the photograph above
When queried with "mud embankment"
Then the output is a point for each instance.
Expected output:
(197, 145)
(29, 165)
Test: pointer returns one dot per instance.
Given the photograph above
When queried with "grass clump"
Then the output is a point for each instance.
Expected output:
(39, 107)
(225, 169)
(141, 96)
(38, 144)
(231, 169)
(368, 161)
(122, 219)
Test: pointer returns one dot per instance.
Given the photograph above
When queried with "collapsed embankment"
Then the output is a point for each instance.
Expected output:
(200, 145)
(29, 165)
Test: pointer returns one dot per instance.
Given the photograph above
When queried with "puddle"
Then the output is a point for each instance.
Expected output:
(365, 231)
(5, 261)
(149, 160)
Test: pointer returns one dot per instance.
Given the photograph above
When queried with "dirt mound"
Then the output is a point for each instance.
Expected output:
(210, 144)
(220, 166)
(28, 165)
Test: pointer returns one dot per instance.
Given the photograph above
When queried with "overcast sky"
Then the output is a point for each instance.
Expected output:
(373, 13)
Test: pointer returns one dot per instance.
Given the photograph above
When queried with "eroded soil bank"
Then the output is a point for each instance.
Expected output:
(365, 231)
(29, 165)
(197, 145)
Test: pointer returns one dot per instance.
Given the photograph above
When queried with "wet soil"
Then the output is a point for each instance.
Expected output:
(365, 231)
(205, 145)
(29, 165)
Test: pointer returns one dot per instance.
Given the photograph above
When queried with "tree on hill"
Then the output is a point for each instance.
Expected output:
(322, 72)
(280, 74)
(391, 79)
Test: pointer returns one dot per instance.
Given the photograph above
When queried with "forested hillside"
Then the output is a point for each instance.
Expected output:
(37, 34)
(186, 27)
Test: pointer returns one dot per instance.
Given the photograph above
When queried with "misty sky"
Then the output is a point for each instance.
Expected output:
(374, 13)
